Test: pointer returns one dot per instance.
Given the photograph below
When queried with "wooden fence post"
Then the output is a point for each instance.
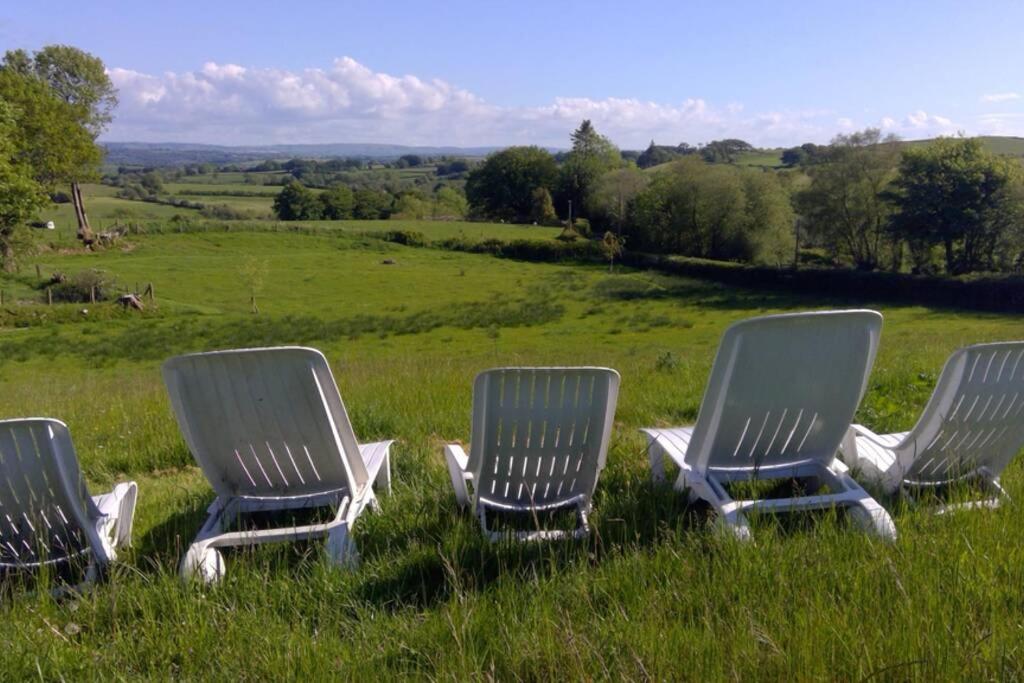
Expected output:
(92, 294)
(39, 274)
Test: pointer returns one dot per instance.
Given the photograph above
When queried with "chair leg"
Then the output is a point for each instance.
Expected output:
(203, 562)
(341, 548)
(127, 493)
(383, 480)
(730, 517)
(656, 456)
(457, 462)
(873, 518)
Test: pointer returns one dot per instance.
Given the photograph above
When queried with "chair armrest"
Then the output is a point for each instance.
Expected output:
(864, 432)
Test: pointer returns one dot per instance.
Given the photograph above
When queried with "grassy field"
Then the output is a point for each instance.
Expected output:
(654, 593)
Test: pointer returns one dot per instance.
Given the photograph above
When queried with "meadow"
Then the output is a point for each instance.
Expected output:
(654, 593)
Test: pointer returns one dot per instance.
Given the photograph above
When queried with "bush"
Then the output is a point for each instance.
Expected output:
(222, 212)
(409, 238)
(79, 287)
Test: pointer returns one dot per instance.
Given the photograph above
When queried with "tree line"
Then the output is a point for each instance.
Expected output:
(864, 200)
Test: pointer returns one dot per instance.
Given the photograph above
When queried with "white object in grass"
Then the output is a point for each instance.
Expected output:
(781, 395)
(49, 518)
(539, 441)
(271, 434)
(971, 428)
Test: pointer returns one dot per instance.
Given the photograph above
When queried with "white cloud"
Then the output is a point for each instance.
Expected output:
(1000, 97)
(350, 102)
(921, 124)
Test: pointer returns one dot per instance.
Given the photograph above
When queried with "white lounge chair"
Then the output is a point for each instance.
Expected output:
(47, 516)
(782, 393)
(270, 432)
(538, 444)
(971, 428)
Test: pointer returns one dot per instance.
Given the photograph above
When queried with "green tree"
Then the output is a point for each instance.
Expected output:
(592, 155)
(712, 211)
(724, 151)
(296, 202)
(20, 195)
(608, 204)
(502, 187)
(372, 204)
(450, 203)
(80, 80)
(611, 247)
(337, 203)
(412, 206)
(845, 205)
(955, 194)
(48, 141)
(543, 210)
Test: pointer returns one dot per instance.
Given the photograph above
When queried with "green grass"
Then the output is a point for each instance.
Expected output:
(183, 187)
(257, 207)
(768, 158)
(653, 594)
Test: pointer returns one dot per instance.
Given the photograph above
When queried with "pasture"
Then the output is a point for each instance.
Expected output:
(654, 593)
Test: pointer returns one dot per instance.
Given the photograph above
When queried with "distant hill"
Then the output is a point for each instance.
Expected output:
(772, 158)
(176, 154)
(998, 144)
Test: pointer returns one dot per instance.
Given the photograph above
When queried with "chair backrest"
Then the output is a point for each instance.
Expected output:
(46, 514)
(540, 435)
(974, 419)
(783, 389)
(265, 422)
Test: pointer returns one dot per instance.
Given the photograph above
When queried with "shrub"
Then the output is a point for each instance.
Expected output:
(409, 238)
(79, 287)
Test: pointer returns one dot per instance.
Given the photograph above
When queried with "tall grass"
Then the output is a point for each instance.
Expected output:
(654, 593)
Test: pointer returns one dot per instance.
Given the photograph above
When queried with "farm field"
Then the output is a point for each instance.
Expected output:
(654, 593)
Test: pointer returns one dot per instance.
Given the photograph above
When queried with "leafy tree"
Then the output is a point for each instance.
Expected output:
(655, 155)
(592, 156)
(80, 80)
(152, 182)
(711, 211)
(296, 202)
(608, 205)
(337, 203)
(543, 210)
(502, 187)
(769, 218)
(47, 135)
(20, 195)
(724, 151)
(450, 203)
(611, 247)
(794, 156)
(845, 204)
(412, 205)
(411, 160)
(955, 194)
(372, 204)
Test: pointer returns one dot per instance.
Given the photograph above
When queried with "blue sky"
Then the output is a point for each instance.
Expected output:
(494, 73)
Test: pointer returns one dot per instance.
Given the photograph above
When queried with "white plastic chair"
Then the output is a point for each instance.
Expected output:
(47, 516)
(538, 444)
(270, 432)
(971, 428)
(782, 393)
